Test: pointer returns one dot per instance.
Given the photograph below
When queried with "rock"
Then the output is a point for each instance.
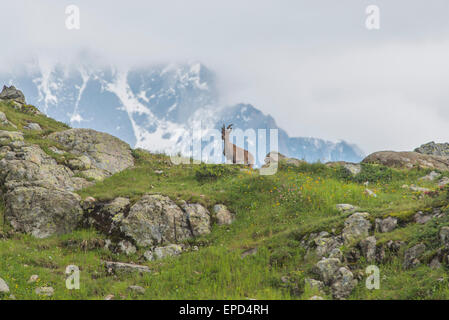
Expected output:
(248, 252)
(11, 93)
(421, 218)
(356, 226)
(80, 163)
(33, 126)
(325, 244)
(45, 291)
(419, 189)
(386, 225)
(336, 253)
(343, 284)
(127, 247)
(435, 149)
(136, 289)
(119, 267)
(148, 255)
(163, 252)
(326, 268)
(33, 278)
(344, 207)
(435, 263)
(368, 248)
(443, 182)
(105, 152)
(370, 193)
(107, 218)
(395, 246)
(3, 287)
(408, 160)
(444, 236)
(5, 122)
(6, 137)
(109, 297)
(154, 220)
(199, 218)
(430, 177)
(314, 284)
(316, 298)
(223, 215)
(412, 255)
(42, 212)
(276, 157)
(352, 168)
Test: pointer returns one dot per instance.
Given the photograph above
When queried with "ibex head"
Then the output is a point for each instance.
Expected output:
(225, 131)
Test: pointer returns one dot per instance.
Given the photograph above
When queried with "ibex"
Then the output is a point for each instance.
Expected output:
(232, 152)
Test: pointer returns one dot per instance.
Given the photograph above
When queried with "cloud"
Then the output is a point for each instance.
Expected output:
(311, 64)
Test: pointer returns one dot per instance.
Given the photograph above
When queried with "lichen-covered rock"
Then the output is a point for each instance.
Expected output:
(314, 284)
(3, 286)
(223, 215)
(45, 291)
(343, 284)
(345, 207)
(11, 93)
(444, 236)
(326, 268)
(121, 267)
(368, 248)
(42, 212)
(435, 149)
(408, 160)
(386, 225)
(412, 256)
(105, 152)
(155, 220)
(356, 226)
(325, 243)
(350, 167)
(163, 252)
(5, 122)
(126, 247)
(199, 219)
(33, 126)
(107, 217)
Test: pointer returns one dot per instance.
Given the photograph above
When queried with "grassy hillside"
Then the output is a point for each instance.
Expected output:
(273, 214)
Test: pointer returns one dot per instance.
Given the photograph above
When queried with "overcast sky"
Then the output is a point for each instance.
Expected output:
(312, 65)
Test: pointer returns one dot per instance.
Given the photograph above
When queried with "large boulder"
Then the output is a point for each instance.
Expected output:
(37, 191)
(412, 256)
(11, 93)
(199, 219)
(408, 160)
(223, 215)
(42, 212)
(356, 226)
(105, 152)
(343, 283)
(435, 149)
(155, 220)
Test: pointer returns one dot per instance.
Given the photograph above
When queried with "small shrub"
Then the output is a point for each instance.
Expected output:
(209, 172)
(374, 173)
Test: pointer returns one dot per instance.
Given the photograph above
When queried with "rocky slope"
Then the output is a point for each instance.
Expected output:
(132, 220)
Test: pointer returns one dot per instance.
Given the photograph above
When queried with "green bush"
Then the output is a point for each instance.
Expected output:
(207, 172)
(374, 173)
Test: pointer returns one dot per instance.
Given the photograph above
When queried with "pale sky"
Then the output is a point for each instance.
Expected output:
(312, 65)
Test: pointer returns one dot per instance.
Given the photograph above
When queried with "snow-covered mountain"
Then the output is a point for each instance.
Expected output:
(155, 107)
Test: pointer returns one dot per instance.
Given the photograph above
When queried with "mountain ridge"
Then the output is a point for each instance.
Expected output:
(155, 107)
